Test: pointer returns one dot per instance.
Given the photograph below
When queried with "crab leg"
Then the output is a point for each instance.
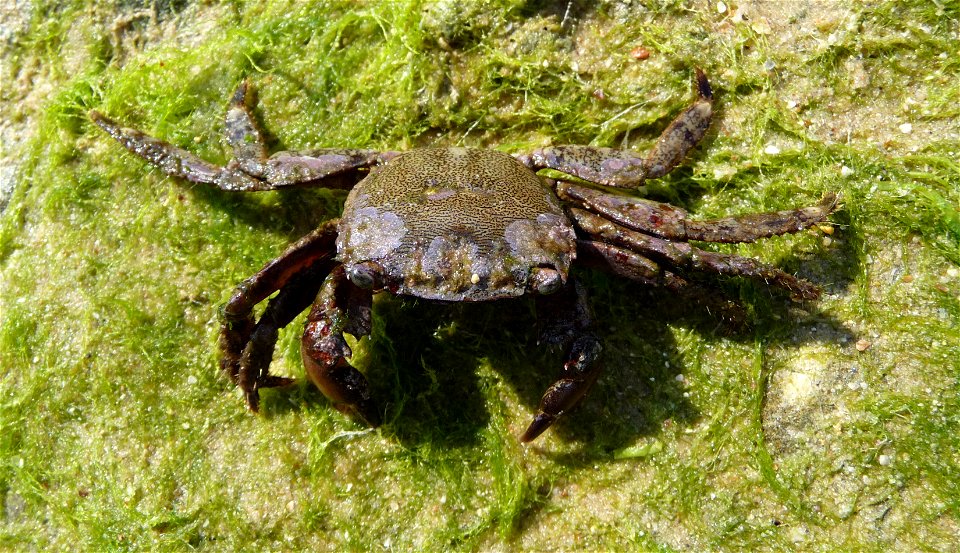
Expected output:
(681, 254)
(245, 346)
(294, 297)
(671, 222)
(624, 168)
(567, 321)
(251, 169)
(285, 168)
(628, 264)
(340, 307)
(632, 265)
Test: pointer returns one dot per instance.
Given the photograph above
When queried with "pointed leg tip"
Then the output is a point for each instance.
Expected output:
(830, 202)
(253, 402)
(101, 120)
(703, 85)
(240, 94)
(243, 96)
(271, 381)
(810, 292)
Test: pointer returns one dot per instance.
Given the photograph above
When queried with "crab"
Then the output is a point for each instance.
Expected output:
(463, 224)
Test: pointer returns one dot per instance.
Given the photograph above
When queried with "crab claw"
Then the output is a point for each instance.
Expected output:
(541, 422)
(564, 394)
(578, 375)
(366, 410)
(339, 381)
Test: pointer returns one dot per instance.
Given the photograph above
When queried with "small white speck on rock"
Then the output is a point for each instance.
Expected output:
(844, 511)
(906, 128)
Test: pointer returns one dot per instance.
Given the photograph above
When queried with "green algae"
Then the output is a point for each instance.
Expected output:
(827, 426)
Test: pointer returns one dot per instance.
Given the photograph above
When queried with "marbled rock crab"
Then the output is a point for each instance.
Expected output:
(461, 224)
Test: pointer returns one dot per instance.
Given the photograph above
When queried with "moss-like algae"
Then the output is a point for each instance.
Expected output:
(827, 426)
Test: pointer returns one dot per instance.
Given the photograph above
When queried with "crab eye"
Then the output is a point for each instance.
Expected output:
(366, 275)
(545, 280)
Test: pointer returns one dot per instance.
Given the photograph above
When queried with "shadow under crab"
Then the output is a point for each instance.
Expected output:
(461, 224)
